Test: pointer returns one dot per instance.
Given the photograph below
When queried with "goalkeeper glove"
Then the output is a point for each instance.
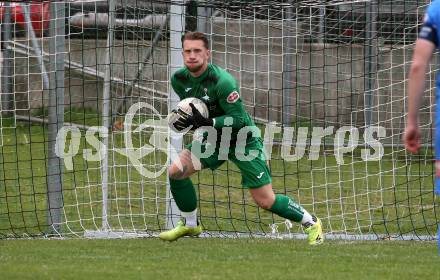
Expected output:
(178, 120)
(197, 120)
(182, 120)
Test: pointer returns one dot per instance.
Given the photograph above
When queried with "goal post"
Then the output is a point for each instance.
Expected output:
(325, 81)
(177, 28)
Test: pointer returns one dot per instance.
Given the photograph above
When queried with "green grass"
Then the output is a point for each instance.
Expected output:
(216, 259)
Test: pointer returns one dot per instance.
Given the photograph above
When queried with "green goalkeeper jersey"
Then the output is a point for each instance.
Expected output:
(219, 91)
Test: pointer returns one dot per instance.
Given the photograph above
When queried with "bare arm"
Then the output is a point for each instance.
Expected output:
(416, 80)
(416, 87)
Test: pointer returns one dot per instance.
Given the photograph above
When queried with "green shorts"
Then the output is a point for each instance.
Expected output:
(254, 170)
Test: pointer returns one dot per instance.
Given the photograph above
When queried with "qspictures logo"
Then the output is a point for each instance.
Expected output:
(157, 141)
(293, 145)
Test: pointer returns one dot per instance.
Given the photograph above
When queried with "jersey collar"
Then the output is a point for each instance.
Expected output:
(201, 77)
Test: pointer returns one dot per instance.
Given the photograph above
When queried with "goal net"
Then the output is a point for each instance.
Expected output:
(85, 93)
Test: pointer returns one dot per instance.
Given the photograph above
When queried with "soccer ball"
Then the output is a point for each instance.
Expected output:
(199, 104)
(183, 107)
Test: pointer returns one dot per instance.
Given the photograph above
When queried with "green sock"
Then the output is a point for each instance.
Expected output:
(287, 208)
(184, 194)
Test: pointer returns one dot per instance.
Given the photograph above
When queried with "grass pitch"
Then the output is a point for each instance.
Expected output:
(213, 258)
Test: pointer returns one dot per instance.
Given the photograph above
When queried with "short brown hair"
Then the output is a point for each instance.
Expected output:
(196, 36)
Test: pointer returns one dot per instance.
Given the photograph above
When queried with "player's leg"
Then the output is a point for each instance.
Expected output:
(184, 193)
(182, 187)
(280, 204)
(256, 176)
(286, 207)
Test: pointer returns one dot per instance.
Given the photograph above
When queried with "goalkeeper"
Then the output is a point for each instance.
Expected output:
(426, 45)
(219, 90)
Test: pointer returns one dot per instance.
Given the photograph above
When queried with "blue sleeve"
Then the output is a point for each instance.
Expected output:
(429, 26)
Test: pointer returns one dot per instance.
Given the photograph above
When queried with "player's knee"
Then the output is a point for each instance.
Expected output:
(263, 196)
(265, 203)
(176, 173)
